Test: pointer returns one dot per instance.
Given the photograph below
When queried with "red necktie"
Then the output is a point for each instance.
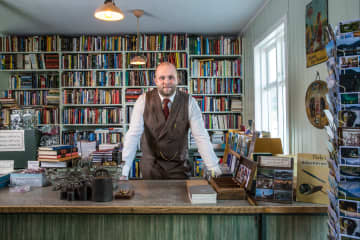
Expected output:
(166, 108)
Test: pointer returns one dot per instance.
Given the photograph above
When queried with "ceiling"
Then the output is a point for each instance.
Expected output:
(161, 16)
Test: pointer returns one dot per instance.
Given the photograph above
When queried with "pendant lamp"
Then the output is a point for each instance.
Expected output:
(138, 59)
(109, 12)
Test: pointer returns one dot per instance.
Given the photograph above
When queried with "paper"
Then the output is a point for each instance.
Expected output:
(12, 141)
(33, 165)
(85, 148)
(6, 166)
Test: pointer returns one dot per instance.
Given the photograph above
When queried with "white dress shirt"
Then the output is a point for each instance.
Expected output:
(198, 130)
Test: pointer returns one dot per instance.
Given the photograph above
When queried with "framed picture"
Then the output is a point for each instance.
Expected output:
(316, 19)
(245, 172)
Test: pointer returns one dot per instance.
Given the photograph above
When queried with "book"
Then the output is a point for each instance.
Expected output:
(57, 151)
(58, 159)
(54, 164)
(58, 156)
(55, 147)
(200, 192)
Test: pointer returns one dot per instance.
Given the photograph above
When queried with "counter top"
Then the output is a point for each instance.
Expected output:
(151, 197)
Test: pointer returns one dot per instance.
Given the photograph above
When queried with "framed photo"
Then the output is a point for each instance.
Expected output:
(245, 172)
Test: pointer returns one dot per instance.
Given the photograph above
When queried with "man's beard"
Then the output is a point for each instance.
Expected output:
(167, 94)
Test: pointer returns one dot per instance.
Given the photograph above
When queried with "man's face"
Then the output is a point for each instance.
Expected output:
(166, 80)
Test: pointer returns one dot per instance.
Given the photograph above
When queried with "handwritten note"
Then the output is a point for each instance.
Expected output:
(12, 140)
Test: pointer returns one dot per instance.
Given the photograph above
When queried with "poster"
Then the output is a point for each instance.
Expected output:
(316, 20)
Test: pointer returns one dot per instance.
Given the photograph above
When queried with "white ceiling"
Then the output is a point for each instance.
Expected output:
(161, 16)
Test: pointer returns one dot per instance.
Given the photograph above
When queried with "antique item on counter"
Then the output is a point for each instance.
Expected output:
(102, 186)
(125, 191)
(274, 181)
(235, 187)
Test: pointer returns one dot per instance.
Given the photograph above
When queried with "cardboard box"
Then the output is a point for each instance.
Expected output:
(31, 179)
(268, 145)
(312, 178)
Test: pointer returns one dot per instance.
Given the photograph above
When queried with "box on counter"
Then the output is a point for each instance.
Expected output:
(312, 178)
(31, 179)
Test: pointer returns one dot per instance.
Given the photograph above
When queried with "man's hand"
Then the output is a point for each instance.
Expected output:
(214, 172)
(124, 178)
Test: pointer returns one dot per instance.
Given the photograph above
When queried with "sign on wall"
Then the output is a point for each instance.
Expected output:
(316, 20)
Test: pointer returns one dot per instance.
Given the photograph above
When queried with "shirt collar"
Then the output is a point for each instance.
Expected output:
(171, 97)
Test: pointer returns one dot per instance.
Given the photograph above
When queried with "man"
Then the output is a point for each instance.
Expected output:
(163, 117)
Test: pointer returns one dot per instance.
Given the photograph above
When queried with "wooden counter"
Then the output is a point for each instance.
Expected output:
(151, 197)
(159, 210)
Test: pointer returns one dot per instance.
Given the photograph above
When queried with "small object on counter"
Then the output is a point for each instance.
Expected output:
(125, 191)
(102, 186)
(20, 189)
(31, 177)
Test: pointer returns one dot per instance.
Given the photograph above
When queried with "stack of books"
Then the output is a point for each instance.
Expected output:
(57, 155)
(53, 97)
(200, 192)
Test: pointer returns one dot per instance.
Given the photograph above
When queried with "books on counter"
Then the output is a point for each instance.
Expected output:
(200, 192)
(41, 158)
(55, 147)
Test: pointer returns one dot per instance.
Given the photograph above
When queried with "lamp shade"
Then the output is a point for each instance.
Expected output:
(109, 12)
(138, 60)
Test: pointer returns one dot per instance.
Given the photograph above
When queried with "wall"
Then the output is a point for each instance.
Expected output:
(303, 136)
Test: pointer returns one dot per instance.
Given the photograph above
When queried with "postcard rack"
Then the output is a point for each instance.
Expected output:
(343, 129)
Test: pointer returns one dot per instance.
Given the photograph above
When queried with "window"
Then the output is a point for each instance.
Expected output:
(270, 85)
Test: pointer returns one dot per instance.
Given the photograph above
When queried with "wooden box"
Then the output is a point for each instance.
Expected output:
(235, 188)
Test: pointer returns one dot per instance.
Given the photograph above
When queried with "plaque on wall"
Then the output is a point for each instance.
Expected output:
(315, 103)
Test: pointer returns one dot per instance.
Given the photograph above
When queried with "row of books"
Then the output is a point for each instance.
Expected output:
(17, 81)
(210, 104)
(29, 61)
(153, 59)
(132, 94)
(156, 42)
(100, 135)
(29, 43)
(147, 78)
(135, 169)
(343, 130)
(47, 115)
(92, 61)
(91, 79)
(92, 116)
(92, 96)
(223, 121)
(215, 68)
(216, 85)
(53, 97)
(213, 46)
(147, 42)
(92, 43)
(27, 97)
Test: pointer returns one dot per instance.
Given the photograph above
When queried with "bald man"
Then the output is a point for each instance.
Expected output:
(162, 118)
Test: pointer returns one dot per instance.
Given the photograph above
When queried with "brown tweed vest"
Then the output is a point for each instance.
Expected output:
(164, 143)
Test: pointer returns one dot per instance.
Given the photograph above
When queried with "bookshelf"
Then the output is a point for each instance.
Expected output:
(31, 65)
(216, 81)
(98, 86)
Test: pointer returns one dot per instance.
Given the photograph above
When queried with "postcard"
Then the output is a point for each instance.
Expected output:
(264, 194)
(350, 136)
(350, 226)
(281, 195)
(264, 183)
(349, 208)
